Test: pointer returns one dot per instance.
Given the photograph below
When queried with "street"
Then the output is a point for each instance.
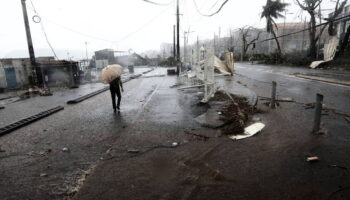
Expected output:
(121, 156)
(259, 78)
(175, 100)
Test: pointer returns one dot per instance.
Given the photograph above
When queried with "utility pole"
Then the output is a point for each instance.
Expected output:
(214, 45)
(87, 55)
(185, 48)
(174, 42)
(30, 43)
(178, 39)
(319, 37)
(219, 44)
(303, 42)
(186, 35)
(198, 55)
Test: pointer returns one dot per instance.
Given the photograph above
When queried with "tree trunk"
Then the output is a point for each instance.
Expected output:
(243, 48)
(312, 34)
(344, 43)
(277, 42)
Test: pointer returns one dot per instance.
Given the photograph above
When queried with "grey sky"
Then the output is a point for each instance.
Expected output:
(121, 24)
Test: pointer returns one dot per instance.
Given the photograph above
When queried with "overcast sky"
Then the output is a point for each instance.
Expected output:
(121, 24)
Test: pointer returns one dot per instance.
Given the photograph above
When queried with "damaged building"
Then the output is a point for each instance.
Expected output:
(16, 73)
(124, 58)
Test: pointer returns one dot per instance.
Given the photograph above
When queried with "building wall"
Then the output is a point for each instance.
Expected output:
(22, 71)
(3, 83)
(100, 64)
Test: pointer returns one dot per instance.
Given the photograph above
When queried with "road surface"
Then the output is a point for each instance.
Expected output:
(259, 78)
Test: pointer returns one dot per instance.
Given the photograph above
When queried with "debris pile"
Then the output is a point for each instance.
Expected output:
(235, 113)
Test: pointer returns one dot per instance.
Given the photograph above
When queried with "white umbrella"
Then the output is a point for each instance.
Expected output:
(111, 72)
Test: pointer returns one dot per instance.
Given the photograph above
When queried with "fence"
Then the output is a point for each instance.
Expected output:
(203, 71)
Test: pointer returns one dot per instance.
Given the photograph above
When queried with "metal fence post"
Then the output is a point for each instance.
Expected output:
(273, 95)
(318, 112)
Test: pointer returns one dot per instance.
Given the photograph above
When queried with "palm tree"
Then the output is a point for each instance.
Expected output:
(272, 11)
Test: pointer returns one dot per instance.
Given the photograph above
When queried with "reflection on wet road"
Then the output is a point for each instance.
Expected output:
(259, 78)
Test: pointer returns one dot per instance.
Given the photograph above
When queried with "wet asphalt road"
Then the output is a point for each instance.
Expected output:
(87, 129)
(152, 115)
(259, 77)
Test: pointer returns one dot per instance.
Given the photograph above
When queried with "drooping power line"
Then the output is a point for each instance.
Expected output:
(159, 4)
(43, 30)
(212, 14)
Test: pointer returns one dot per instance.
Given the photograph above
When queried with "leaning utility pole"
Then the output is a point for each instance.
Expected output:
(184, 60)
(174, 42)
(30, 43)
(178, 38)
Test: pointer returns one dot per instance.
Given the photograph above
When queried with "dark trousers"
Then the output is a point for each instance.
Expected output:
(115, 91)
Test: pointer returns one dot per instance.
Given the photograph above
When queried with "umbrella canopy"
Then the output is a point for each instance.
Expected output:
(111, 72)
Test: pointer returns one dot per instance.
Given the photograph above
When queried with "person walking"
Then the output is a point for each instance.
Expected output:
(115, 87)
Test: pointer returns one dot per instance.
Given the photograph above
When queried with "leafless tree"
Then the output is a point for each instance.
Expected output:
(339, 7)
(310, 6)
(246, 42)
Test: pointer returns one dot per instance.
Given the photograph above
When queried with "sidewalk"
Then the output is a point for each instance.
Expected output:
(16, 109)
(143, 163)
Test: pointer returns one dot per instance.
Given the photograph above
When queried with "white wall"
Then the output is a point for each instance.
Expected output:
(101, 64)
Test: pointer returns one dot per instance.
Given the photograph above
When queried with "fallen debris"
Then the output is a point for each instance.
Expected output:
(249, 131)
(175, 144)
(309, 106)
(340, 167)
(283, 99)
(312, 159)
(347, 119)
(133, 150)
(189, 87)
(210, 119)
(234, 112)
(65, 149)
(256, 119)
(157, 75)
(286, 99)
(176, 85)
(43, 175)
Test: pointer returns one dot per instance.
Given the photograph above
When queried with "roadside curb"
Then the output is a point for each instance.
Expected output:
(328, 80)
(11, 127)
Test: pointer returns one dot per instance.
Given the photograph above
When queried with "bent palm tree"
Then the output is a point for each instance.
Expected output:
(272, 11)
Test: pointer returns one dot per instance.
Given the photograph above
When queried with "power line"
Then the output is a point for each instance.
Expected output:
(110, 41)
(209, 15)
(300, 31)
(43, 30)
(145, 25)
(158, 4)
(80, 33)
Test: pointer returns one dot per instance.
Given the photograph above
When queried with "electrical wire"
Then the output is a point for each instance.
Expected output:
(300, 31)
(212, 14)
(80, 33)
(158, 4)
(144, 25)
(110, 41)
(43, 30)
